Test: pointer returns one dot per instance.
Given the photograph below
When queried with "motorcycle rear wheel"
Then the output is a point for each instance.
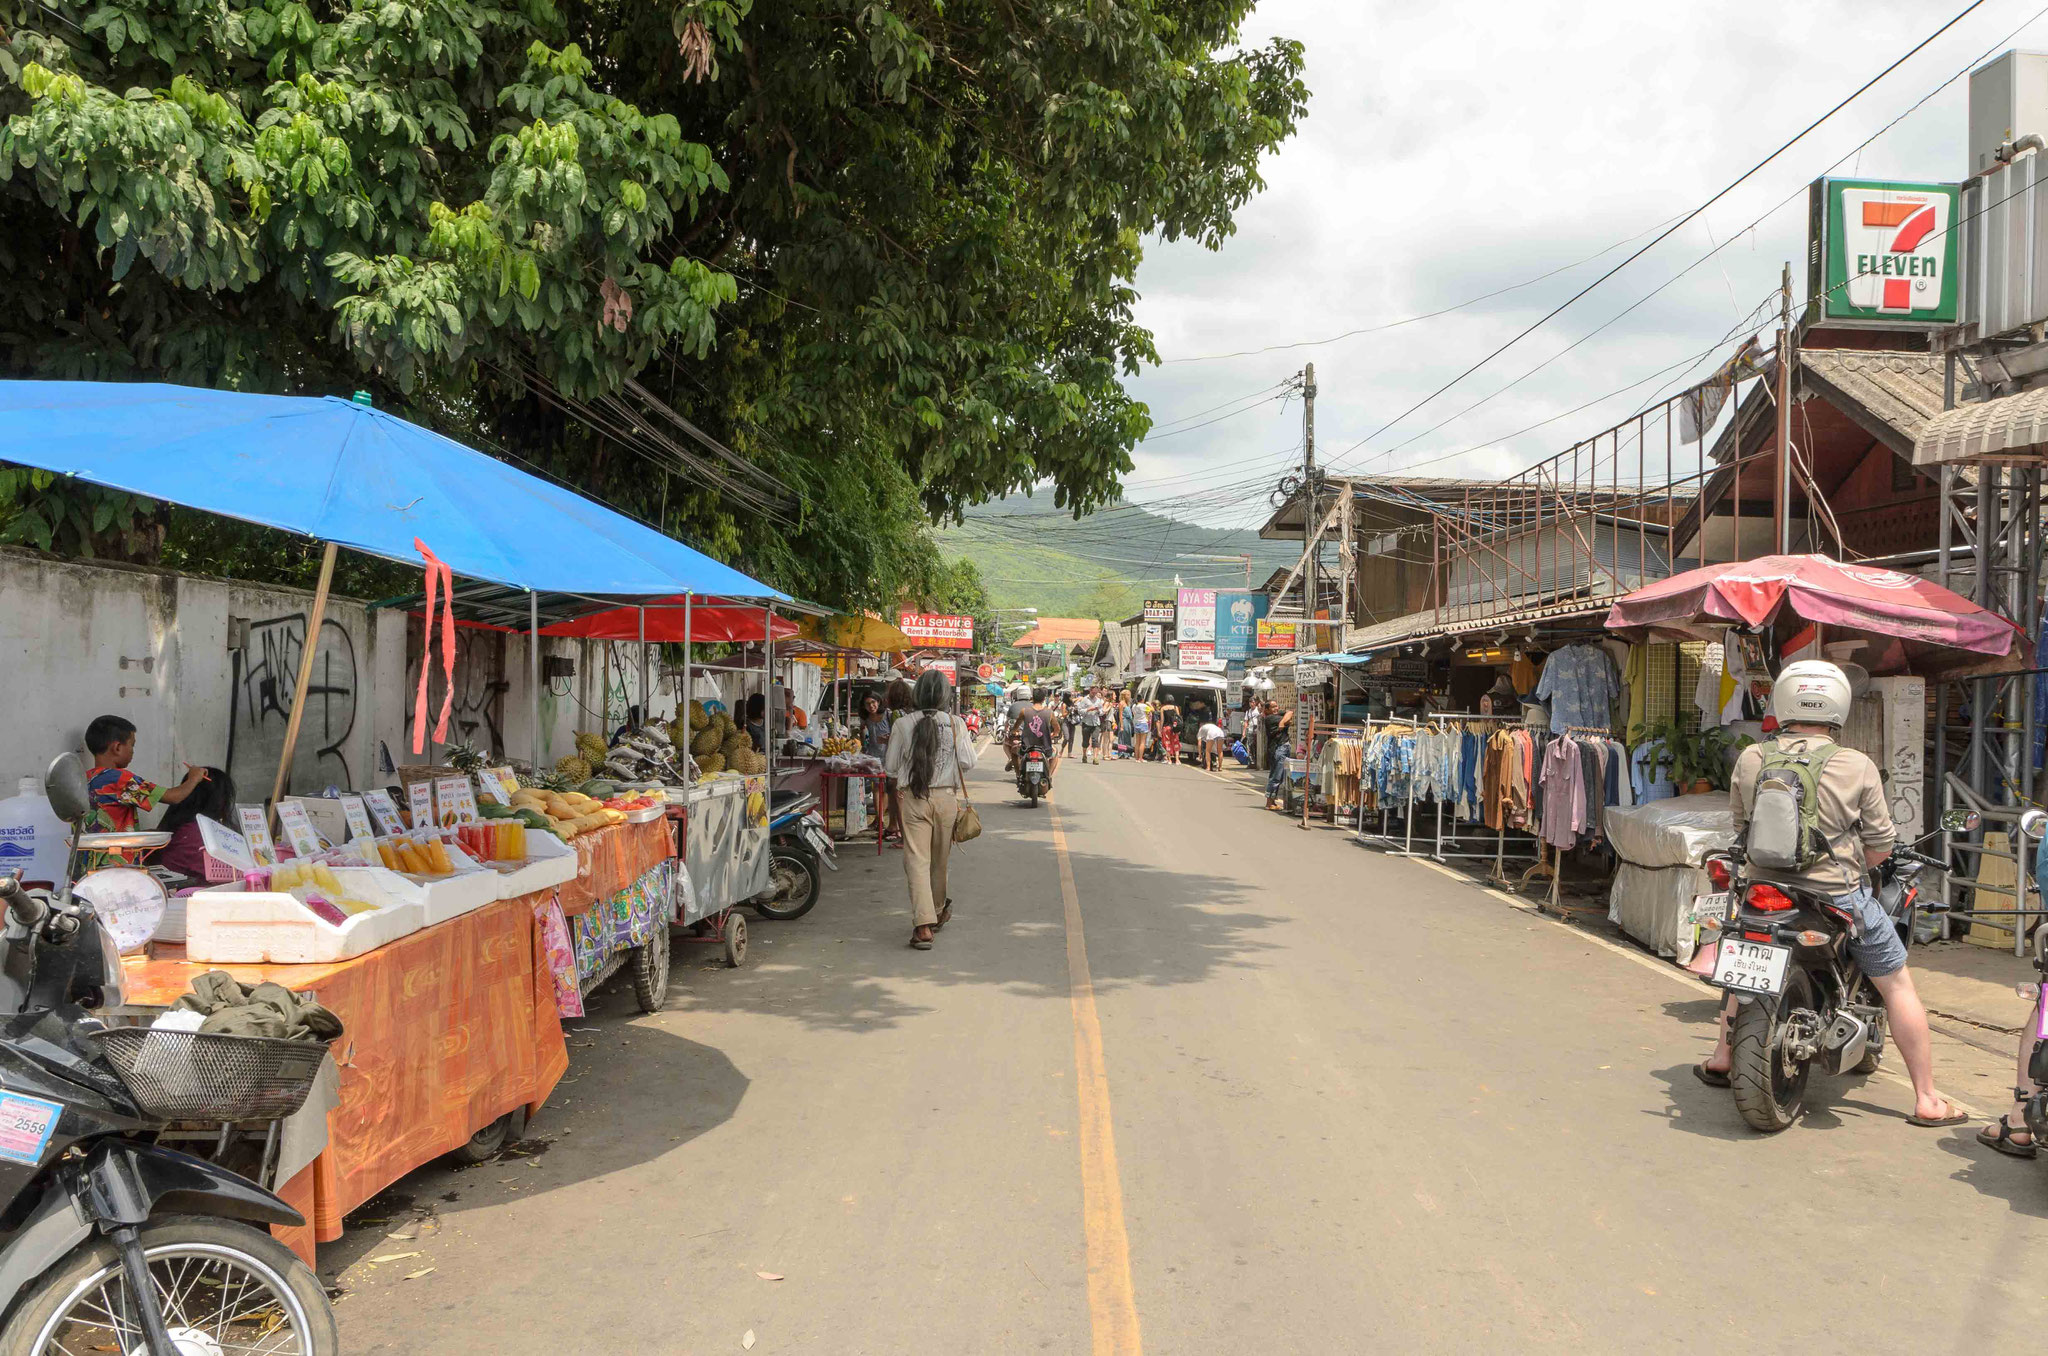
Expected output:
(1769, 1096)
(792, 884)
(206, 1271)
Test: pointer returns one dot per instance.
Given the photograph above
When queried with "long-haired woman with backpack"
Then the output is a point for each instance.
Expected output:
(930, 752)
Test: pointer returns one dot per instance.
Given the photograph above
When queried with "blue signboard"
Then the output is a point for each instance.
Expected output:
(1237, 622)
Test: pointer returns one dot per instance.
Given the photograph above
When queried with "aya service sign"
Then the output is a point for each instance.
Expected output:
(1197, 614)
(930, 630)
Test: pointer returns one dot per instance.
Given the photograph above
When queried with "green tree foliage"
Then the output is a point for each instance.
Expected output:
(882, 249)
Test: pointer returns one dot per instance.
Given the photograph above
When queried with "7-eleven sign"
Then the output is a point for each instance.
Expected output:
(1890, 252)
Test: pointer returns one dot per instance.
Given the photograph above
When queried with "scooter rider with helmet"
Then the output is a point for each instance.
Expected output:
(1810, 702)
(1020, 702)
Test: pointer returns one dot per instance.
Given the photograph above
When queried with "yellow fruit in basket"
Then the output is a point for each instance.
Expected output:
(613, 816)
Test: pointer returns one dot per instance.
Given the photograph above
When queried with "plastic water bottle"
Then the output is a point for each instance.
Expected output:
(33, 840)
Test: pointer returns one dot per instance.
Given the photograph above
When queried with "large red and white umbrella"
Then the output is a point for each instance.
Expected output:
(1918, 624)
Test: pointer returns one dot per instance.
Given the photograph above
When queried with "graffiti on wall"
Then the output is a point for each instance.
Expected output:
(477, 715)
(264, 679)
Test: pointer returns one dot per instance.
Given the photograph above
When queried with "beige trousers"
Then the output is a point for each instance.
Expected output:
(927, 843)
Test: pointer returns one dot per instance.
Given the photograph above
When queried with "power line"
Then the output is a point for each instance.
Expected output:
(1669, 231)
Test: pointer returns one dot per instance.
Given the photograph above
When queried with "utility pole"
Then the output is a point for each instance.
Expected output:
(1782, 508)
(1310, 521)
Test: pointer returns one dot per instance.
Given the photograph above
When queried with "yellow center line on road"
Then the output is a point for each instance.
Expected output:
(1112, 1305)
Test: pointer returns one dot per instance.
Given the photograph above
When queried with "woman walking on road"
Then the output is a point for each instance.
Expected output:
(1123, 719)
(929, 752)
(1141, 729)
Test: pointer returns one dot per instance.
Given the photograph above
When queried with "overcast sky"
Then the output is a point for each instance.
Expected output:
(1451, 150)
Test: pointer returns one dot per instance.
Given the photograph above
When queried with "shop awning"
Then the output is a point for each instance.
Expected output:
(350, 474)
(2011, 426)
(709, 621)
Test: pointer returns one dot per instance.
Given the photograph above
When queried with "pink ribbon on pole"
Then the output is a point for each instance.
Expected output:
(437, 573)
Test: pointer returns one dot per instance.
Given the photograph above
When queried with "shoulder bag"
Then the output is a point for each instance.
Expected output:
(967, 819)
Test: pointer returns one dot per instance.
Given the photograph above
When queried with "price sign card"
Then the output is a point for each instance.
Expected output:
(454, 802)
(422, 805)
(384, 810)
(298, 828)
(358, 817)
(257, 832)
(226, 846)
(505, 782)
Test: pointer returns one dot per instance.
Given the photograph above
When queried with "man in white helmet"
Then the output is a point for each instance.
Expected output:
(1811, 702)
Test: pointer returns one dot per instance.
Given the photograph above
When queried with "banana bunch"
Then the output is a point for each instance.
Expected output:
(839, 744)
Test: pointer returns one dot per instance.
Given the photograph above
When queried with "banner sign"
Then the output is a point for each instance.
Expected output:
(1275, 635)
(1882, 255)
(1195, 614)
(1237, 622)
(1155, 638)
(1200, 654)
(932, 631)
(1159, 610)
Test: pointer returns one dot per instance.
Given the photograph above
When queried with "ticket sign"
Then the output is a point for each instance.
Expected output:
(1276, 635)
(298, 828)
(454, 802)
(422, 794)
(1196, 614)
(930, 630)
(257, 832)
(384, 810)
(358, 818)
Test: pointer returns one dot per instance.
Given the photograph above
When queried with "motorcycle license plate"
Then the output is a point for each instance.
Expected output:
(817, 838)
(1751, 967)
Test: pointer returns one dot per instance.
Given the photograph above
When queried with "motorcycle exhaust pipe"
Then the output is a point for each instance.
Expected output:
(1843, 1043)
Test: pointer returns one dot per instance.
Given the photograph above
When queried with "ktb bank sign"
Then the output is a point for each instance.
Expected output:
(1883, 254)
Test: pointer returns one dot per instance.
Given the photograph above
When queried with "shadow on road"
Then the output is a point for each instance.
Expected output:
(2015, 1181)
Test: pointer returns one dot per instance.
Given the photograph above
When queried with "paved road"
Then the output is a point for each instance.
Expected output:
(1215, 1084)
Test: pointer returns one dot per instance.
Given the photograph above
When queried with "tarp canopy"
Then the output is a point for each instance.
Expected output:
(871, 634)
(711, 621)
(350, 474)
(1910, 623)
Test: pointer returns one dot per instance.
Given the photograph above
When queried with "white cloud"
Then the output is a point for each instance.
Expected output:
(1451, 150)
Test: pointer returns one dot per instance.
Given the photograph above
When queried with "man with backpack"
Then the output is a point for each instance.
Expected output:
(1812, 814)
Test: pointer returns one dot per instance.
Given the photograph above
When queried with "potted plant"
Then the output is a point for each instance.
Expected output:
(1700, 759)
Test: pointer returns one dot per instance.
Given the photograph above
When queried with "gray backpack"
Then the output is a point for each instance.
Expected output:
(1784, 813)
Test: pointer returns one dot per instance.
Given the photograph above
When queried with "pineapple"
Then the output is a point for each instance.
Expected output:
(466, 758)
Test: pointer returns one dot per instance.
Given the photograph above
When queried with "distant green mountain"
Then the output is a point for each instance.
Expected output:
(1103, 566)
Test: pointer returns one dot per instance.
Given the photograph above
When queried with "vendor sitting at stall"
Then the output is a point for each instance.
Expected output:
(118, 795)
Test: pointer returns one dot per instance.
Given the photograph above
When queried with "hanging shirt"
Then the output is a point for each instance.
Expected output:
(1563, 789)
(1579, 684)
(1650, 772)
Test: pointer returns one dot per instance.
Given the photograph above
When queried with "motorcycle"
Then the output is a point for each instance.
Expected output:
(798, 844)
(1033, 780)
(108, 1240)
(1801, 999)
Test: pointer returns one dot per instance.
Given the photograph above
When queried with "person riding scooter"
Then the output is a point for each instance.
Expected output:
(1020, 702)
(1038, 728)
(1810, 701)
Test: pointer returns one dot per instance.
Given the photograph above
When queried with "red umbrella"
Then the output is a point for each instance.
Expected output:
(1919, 622)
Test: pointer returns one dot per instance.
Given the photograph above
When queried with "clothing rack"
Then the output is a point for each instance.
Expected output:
(1327, 732)
(1554, 867)
(1499, 851)
(1407, 840)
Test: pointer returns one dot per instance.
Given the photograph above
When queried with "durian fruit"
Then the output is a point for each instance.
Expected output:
(574, 769)
(591, 746)
(734, 744)
(705, 741)
(699, 718)
(724, 724)
(708, 763)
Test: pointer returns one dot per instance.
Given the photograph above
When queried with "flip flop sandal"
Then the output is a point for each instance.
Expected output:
(2003, 1142)
(1713, 1078)
(1938, 1123)
(918, 943)
(945, 916)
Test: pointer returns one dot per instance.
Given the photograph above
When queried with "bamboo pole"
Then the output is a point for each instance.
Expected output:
(305, 681)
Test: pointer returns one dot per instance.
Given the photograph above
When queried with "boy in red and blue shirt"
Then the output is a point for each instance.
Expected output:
(119, 795)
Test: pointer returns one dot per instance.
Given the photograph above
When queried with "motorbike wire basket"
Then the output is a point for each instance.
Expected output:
(201, 1076)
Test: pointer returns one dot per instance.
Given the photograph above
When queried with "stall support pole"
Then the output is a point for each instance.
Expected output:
(768, 689)
(646, 697)
(533, 669)
(305, 682)
(689, 762)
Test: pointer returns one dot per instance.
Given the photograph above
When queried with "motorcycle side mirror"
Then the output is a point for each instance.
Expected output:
(2034, 823)
(1965, 821)
(65, 785)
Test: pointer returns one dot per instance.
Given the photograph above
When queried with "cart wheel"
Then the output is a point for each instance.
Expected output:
(735, 940)
(484, 1145)
(650, 972)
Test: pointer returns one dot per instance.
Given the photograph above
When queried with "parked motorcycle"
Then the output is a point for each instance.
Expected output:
(1801, 999)
(798, 844)
(1033, 778)
(109, 1241)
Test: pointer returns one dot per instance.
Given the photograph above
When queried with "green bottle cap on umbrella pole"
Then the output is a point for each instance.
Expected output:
(362, 398)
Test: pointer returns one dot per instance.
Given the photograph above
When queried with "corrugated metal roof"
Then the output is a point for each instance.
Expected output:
(1059, 631)
(1902, 389)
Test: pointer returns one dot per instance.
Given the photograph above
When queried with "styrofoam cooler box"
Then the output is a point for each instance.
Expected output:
(228, 925)
(549, 862)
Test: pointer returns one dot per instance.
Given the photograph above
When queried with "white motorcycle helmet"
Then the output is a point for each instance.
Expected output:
(1813, 692)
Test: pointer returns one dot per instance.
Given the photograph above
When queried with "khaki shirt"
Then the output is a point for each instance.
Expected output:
(1853, 814)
